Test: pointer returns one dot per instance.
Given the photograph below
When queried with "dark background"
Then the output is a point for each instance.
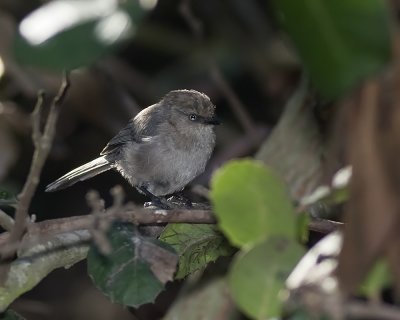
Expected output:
(239, 40)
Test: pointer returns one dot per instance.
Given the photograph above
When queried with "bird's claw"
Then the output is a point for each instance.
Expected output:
(158, 204)
(180, 201)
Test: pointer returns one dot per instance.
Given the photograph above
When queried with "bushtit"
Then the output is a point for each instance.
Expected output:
(161, 150)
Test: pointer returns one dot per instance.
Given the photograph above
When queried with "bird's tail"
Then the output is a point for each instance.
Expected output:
(81, 173)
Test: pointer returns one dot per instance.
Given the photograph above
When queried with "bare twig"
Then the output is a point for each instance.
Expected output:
(44, 230)
(95, 202)
(35, 117)
(216, 75)
(128, 213)
(99, 227)
(235, 104)
(324, 226)
(334, 305)
(201, 191)
(42, 142)
(195, 24)
(365, 311)
(6, 222)
(118, 196)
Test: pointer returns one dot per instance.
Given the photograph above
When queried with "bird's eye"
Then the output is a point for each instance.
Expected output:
(192, 117)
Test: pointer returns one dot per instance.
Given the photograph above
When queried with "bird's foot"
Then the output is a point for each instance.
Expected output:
(180, 200)
(158, 203)
(155, 201)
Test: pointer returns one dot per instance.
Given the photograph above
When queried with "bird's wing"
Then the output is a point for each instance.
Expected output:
(125, 135)
(138, 130)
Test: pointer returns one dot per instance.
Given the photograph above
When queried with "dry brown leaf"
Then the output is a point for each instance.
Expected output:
(162, 262)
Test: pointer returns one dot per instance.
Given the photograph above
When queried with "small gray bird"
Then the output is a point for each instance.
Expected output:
(161, 150)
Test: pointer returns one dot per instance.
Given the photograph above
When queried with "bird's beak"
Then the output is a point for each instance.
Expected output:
(213, 121)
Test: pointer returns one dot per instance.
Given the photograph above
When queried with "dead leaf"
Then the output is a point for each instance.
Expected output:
(162, 261)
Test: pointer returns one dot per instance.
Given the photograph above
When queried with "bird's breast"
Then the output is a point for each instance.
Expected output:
(166, 164)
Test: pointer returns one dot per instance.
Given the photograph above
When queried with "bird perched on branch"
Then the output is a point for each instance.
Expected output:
(161, 150)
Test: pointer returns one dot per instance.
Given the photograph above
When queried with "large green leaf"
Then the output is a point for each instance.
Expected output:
(340, 42)
(210, 301)
(196, 244)
(66, 34)
(258, 276)
(251, 203)
(137, 268)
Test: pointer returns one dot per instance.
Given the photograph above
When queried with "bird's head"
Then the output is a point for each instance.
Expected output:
(190, 109)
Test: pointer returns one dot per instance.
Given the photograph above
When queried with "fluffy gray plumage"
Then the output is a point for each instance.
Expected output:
(161, 150)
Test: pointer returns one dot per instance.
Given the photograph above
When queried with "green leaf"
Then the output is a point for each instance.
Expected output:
(67, 34)
(258, 276)
(136, 270)
(208, 301)
(340, 42)
(251, 203)
(196, 244)
(11, 315)
(378, 279)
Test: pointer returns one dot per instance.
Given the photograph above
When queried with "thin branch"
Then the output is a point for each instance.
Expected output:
(44, 230)
(365, 311)
(216, 75)
(128, 213)
(38, 261)
(35, 117)
(100, 226)
(236, 105)
(6, 222)
(42, 142)
(324, 226)
(334, 305)
(194, 23)
(201, 191)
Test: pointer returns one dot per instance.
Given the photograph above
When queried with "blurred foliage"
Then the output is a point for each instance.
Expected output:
(257, 276)
(11, 315)
(6, 198)
(128, 55)
(255, 212)
(378, 279)
(211, 301)
(339, 42)
(67, 34)
(303, 234)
